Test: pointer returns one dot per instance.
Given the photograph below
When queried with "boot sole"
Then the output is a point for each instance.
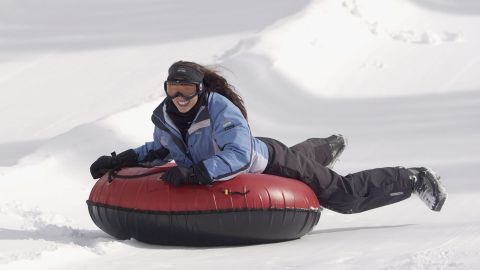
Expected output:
(439, 188)
(339, 153)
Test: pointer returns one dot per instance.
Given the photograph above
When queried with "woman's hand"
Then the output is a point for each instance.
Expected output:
(178, 175)
(196, 174)
(105, 163)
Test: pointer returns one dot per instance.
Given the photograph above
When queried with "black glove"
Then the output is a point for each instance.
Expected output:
(197, 174)
(105, 163)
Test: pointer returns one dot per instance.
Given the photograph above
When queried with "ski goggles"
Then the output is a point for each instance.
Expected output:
(182, 89)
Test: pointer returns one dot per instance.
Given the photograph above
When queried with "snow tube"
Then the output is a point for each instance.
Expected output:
(249, 209)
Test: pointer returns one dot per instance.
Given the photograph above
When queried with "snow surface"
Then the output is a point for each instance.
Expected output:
(399, 78)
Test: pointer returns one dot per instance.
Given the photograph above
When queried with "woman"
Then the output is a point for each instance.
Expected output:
(202, 126)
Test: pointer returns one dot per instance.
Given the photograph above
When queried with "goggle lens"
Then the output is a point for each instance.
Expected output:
(186, 90)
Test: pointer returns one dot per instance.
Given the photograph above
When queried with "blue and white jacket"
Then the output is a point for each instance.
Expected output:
(219, 137)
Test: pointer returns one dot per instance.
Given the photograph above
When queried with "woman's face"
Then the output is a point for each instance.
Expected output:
(184, 96)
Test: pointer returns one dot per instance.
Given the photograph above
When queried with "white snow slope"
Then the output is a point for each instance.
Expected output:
(399, 78)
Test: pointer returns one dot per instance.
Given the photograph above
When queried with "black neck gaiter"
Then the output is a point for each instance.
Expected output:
(183, 120)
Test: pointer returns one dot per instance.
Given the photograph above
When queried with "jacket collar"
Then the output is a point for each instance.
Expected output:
(161, 120)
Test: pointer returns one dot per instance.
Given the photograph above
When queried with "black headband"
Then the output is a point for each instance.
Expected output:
(183, 73)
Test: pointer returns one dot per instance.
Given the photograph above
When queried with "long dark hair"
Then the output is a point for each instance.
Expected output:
(214, 82)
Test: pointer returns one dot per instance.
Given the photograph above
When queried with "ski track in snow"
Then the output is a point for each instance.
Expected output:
(442, 257)
(47, 230)
(408, 36)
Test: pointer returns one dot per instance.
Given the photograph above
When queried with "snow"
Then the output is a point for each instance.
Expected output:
(79, 79)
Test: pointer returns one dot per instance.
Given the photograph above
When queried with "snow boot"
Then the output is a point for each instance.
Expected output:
(427, 185)
(337, 144)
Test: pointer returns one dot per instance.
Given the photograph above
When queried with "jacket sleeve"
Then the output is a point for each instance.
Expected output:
(233, 137)
(154, 151)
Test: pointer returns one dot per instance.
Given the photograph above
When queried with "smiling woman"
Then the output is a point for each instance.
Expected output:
(202, 125)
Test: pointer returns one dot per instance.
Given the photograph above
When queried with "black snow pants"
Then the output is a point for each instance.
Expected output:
(354, 193)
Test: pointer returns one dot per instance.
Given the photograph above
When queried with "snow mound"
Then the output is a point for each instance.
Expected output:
(374, 48)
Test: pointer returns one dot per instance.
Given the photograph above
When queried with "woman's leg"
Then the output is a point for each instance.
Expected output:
(353, 193)
(322, 150)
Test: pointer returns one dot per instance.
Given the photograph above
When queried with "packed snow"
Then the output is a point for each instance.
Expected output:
(399, 78)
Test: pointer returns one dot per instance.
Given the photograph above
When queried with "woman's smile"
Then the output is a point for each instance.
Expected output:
(184, 105)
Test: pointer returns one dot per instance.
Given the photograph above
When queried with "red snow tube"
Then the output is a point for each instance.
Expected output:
(249, 209)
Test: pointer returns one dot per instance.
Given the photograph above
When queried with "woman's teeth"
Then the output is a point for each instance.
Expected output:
(183, 103)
